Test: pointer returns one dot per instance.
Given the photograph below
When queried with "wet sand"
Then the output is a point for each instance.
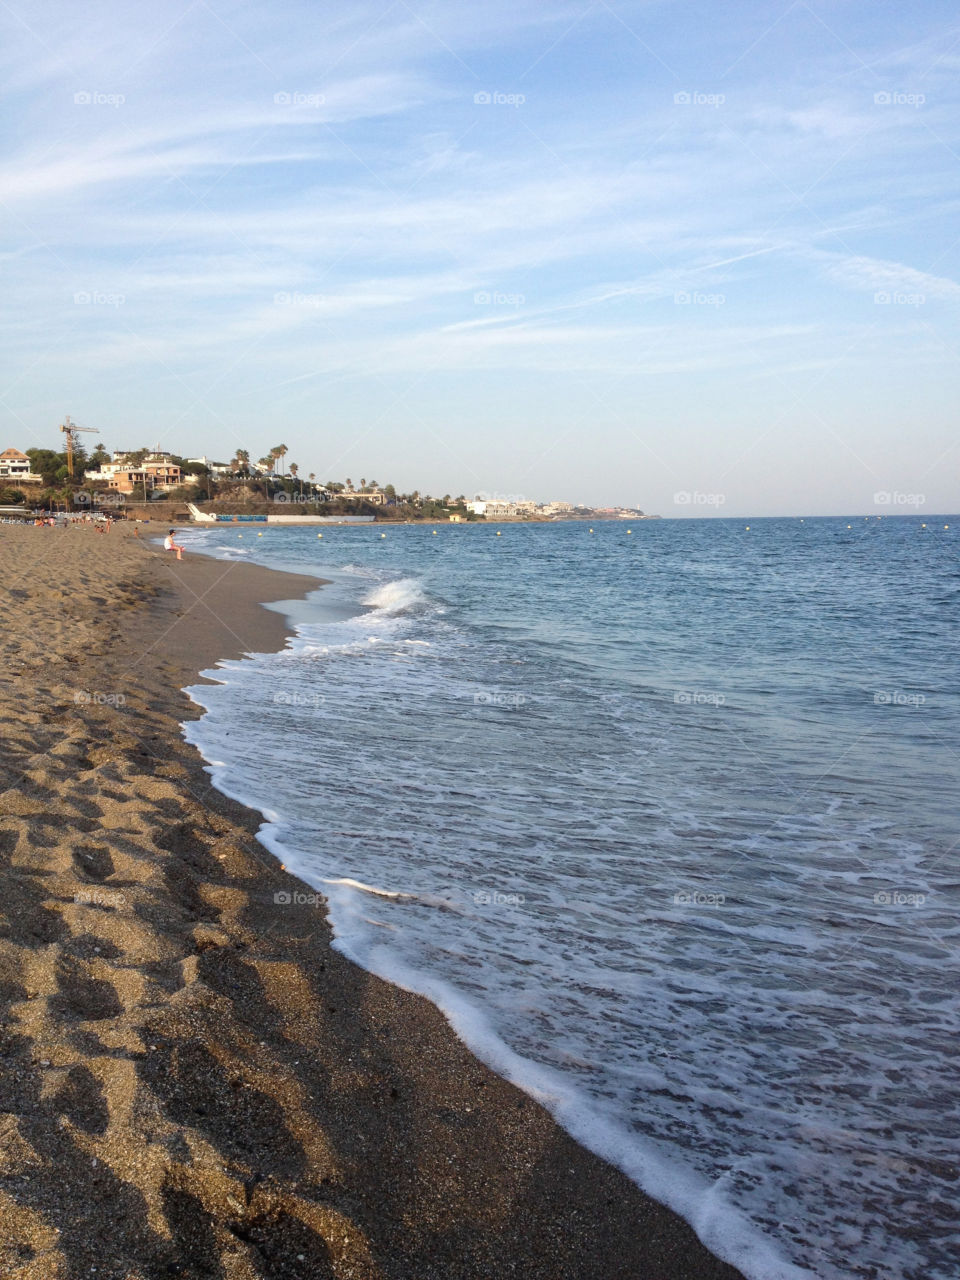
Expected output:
(191, 1082)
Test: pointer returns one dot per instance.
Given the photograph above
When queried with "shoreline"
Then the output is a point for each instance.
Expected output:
(195, 1083)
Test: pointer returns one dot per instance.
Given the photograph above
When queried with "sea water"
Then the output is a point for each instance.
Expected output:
(663, 816)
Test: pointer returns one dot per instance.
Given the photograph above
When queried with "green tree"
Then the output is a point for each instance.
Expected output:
(46, 463)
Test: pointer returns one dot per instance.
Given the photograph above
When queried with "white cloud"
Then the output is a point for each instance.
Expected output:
(872, 275)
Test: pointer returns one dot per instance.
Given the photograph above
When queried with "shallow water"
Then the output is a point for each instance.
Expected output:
(665, 821)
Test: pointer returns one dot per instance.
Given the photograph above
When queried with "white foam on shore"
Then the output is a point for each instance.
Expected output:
(720, 1226)
(403, 595)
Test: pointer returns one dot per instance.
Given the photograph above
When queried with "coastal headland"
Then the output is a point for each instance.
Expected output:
(192, 1083)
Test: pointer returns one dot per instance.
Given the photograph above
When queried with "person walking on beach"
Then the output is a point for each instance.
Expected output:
(170, 545)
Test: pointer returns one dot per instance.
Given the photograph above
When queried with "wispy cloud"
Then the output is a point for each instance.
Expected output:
(517, 193)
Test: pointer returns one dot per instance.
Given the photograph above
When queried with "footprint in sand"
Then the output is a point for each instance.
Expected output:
(88, 999)
(93, 861)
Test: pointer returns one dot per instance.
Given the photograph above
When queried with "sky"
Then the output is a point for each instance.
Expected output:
(702, 260)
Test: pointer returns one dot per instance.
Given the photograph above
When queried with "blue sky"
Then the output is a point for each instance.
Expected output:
(605, 252)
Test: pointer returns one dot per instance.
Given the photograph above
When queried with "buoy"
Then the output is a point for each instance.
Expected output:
(591, 531)
(629, 531)
(434, 533)
(946, 526)
(849, 526)
(383, 535)
(923, 526)
(748, 528)
(259, 535)
(498, 533)
(319, 535)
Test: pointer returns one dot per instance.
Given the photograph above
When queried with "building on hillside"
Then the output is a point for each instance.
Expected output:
(157, 472)
(15, 469)
(220, 470)
(376, 496)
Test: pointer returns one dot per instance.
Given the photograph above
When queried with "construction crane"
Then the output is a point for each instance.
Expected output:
(70, 429)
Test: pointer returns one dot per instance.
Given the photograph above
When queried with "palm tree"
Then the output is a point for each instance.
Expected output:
(363, 484)
(349, 483)
(294, 469)
(281, 451)
(241, 463)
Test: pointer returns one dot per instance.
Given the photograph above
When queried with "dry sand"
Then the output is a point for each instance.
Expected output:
(193, 1084)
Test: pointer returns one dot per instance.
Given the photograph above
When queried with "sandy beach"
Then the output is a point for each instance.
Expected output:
(193, 1083)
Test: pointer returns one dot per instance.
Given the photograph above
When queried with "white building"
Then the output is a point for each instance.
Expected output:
(220, 470)
(15, 468)
(501, 508)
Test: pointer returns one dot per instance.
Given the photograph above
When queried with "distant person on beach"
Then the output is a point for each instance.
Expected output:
(170, 545)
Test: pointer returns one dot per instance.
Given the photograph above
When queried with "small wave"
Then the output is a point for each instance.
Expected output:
(404, 595)
(368, 888)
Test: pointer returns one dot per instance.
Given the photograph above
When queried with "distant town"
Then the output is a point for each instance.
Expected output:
(126, 481)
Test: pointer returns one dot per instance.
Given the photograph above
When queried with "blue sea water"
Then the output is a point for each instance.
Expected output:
(663, 815)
